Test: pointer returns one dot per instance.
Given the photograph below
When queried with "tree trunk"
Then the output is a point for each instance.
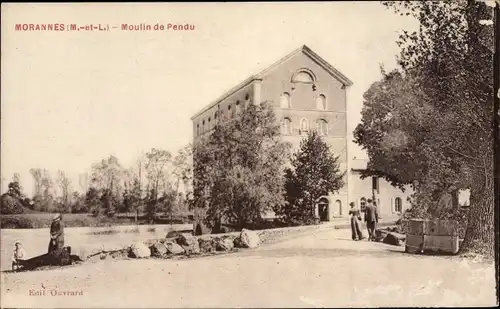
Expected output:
(479, 236)
(175, 201)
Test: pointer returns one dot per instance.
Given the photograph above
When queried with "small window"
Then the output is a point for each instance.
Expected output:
(322, 127)
(209, 124)
(375, 184)
(362, 203)
(398, 205)
(304, 126)
(197, 129)
(285, 100)
(238, 108)
(203, 127)
(286, 126)
(321, 102)
(247, 100)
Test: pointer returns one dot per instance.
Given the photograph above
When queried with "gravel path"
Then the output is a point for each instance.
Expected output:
(325, 269)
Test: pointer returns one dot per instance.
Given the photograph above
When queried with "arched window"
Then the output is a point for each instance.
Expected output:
(303, 76)
(338, 205)
(398, 204)
(285, 100)
(322, 127)
(321, 102)
(286, 126)
(203, 127)
(362, 203)
(209, 124)
(197, 129)
(304, 126)
(238, 107)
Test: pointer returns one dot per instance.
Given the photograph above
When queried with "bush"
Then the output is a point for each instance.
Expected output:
(16, 223)
(11, 205)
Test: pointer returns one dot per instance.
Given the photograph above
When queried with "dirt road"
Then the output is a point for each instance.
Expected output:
(326, 269)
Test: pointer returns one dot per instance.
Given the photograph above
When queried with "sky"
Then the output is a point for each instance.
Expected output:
(71, 98)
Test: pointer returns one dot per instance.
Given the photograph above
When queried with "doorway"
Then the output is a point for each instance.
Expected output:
(323, 209)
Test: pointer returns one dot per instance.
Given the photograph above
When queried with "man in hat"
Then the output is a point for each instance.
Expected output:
(371, 219)
(56, 234)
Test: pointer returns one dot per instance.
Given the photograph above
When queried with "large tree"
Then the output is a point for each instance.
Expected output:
(429, 122)
(315, 172)
(157, 161)
(132, 198)
(108, 181)
(64, 184)
(44, 191)
(238, 169)
(183, 173)
(37, 179)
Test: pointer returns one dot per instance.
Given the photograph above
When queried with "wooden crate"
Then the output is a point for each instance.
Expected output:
(416, 227)
(441, 227)
(445, 244)
(414, 243)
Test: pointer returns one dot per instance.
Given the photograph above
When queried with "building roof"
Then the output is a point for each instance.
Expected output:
(304, 49)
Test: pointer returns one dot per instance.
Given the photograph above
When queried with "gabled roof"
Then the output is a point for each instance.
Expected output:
(304, 49)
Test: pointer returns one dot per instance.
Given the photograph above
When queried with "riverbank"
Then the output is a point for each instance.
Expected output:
(83, 240)
(43, 220)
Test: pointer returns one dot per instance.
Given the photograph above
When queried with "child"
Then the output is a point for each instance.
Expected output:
(18, 254)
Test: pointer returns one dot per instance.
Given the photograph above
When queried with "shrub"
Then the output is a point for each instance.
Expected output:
(16, 222)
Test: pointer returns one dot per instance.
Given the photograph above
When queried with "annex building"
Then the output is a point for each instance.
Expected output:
(308, 93)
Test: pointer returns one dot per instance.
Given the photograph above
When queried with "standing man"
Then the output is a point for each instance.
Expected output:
(56, 234)
(371, 219)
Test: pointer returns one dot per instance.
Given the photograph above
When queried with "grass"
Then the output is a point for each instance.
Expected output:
(43, 220)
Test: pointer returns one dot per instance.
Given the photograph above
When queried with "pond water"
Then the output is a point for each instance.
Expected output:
(80, 239)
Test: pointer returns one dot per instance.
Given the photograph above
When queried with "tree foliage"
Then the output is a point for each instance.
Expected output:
(157, 161)
(14, 201)
(428, 123)
(64, 184)
(315, 172)
(238, 169)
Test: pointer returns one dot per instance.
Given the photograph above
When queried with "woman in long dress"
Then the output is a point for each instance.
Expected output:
(355, 217)
(56, 234)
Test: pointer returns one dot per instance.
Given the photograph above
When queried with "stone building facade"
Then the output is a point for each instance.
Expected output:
(307, 94)
(391, 201)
